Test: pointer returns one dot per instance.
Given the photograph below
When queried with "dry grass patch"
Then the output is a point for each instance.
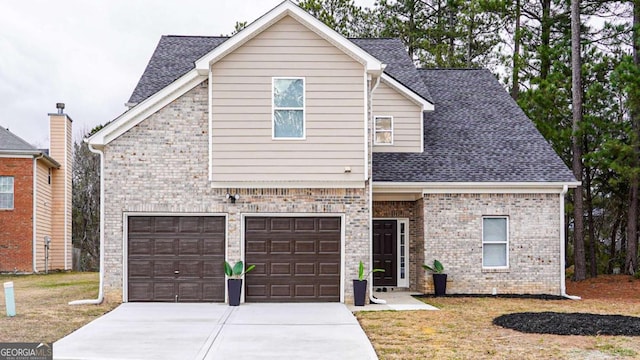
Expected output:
(463, 329)
(43, 314)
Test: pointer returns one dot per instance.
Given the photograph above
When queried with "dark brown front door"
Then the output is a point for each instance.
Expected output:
(297, 259)
(385, 255)
(177, 258)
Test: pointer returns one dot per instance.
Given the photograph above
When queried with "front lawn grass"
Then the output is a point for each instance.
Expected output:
(463, 329)
(43, 314)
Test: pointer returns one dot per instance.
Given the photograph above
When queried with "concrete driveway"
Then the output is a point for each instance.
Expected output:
(217, 331)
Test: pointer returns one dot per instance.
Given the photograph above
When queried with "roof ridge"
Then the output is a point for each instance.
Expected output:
(455, 69)
(197, 36)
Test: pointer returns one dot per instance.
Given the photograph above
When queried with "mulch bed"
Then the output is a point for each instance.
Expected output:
(498, 296)
(570, 323)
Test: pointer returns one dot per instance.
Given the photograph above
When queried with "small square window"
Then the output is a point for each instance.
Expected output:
(6, 192)
(383, 130)
(288, 108)
(495, 241)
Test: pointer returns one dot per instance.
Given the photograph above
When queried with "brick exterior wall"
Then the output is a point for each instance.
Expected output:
(16, 226)
(160, 166)
(453, 235)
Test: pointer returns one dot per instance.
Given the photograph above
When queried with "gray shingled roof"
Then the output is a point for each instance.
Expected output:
(174, 56)
(399, 65)
(11, 142)
(477, 133)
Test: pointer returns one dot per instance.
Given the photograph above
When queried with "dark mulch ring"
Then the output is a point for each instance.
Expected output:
(570, 323)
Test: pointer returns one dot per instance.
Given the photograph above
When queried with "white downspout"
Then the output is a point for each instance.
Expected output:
(35, 211)
(100, 297)
(563, 286)
(372, 299)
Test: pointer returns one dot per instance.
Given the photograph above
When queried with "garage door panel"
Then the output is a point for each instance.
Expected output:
(173, 256)
(305, 247)
(305, 269)
(190, 225)
(163, 291)
(140, 246)
(164, 246)
(280, 247)
(214, 245)
(189, 246)
(295, 259)
(164, 224)
(140, 269)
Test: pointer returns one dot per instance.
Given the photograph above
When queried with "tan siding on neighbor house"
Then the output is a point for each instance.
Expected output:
(243, 148)
(407, 116)
(43, 212)
(60, 134)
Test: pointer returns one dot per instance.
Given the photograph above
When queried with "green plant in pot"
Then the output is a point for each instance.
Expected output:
(234, 281)
(439, 277)
(360, 285)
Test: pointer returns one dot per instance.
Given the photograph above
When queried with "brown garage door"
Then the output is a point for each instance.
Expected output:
(297, 259)
(177, 258)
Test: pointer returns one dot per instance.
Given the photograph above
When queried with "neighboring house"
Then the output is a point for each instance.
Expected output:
(35, 200)
(303, 152)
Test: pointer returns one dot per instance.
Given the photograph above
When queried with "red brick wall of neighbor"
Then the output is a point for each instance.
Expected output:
(16, 226)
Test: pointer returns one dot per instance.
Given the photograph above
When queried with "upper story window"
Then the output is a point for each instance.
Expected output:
(288, 108)
(6, 192)
(495, 242)
(384, 130)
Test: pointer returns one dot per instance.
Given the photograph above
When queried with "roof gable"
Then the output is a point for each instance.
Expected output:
(288, 8)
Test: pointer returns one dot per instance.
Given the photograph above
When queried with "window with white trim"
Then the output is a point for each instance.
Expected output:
(383, 130)
(6, 192)
(495, 242)
(288, 108)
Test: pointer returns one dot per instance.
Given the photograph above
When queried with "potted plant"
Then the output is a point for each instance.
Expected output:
(234, 281)
(439, 277)
(360, 285)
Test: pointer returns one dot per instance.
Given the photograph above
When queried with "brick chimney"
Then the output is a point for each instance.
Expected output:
(60, 149)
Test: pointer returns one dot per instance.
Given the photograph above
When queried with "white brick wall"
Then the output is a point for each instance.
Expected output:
(161, 166)
(453, 235)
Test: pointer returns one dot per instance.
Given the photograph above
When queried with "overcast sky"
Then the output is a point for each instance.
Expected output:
(90, 54)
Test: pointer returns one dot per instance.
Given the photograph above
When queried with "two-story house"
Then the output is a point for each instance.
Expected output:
(303, 152)
(35, 200)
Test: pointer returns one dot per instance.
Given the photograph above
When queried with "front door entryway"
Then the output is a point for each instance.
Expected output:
(385, 255)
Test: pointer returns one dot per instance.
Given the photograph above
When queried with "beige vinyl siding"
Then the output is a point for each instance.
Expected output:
(406, 114)
(43, 212)
(243, 148)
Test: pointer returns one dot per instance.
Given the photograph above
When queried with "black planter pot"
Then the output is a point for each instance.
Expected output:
(235, 289)
(359, 292)
(440, 284)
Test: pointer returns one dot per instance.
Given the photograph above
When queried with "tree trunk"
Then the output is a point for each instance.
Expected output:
(593, 242)
(576, 146)
(612, 245)
(631, 261)
(515, 74)
(545, 37)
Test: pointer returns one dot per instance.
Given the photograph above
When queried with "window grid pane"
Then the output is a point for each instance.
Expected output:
(6, 192)
(494, 242)
(288, 108)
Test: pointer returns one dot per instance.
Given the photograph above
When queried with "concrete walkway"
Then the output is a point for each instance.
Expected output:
(217, 331)
(398, 300)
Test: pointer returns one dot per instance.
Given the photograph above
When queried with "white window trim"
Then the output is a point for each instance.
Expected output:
(496, 242)
(304, 108)
(13, 193)
(375, 130)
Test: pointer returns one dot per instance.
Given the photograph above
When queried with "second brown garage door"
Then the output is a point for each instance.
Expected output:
(176, 258)
(297, 259)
